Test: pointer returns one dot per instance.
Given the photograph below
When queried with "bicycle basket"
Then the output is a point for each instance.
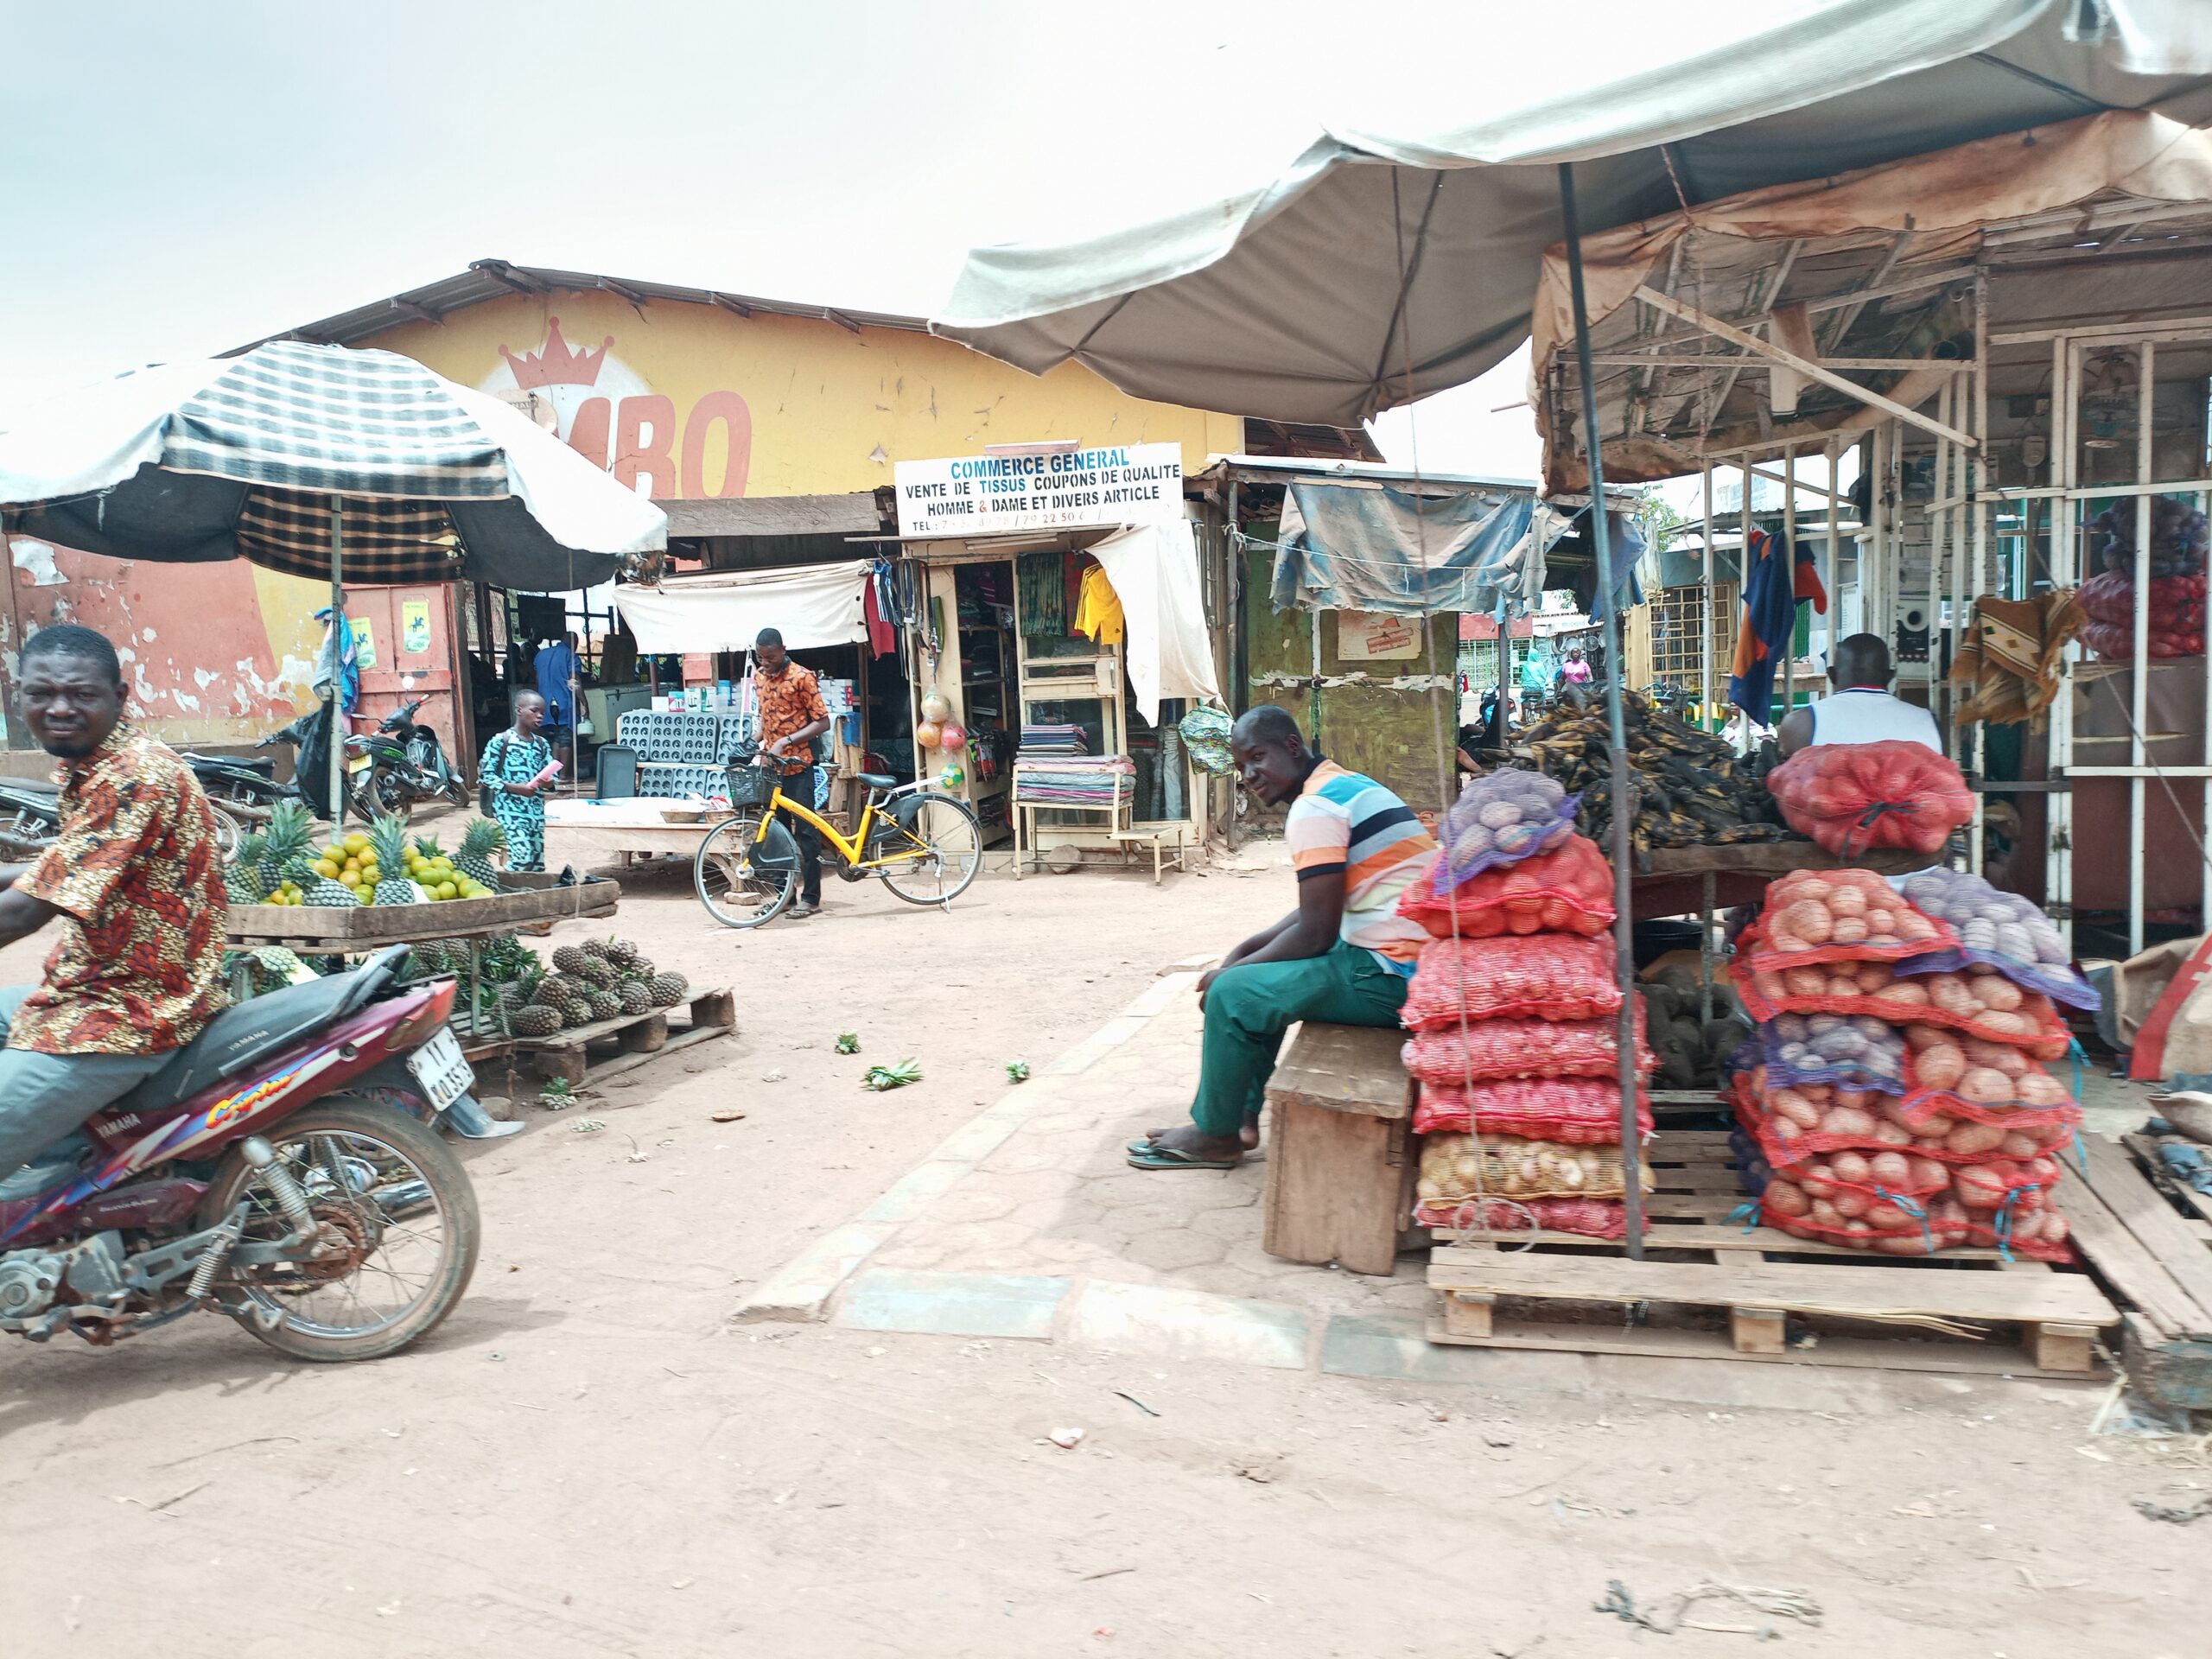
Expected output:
(751, 785)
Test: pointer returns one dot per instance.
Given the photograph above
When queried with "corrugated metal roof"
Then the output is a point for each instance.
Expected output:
(491, 279)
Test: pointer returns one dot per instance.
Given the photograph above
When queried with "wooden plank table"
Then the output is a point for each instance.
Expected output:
(1340, 1161)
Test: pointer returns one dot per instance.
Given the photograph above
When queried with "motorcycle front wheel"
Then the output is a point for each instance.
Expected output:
(396, 1216)
(374, 792)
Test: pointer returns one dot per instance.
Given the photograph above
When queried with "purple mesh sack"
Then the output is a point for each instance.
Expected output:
(1500, 819)
(2001, 931)
(1850, 1051)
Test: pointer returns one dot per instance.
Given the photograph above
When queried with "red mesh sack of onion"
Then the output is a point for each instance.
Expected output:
(1573, 1111)
(1593, 1218)
(1838, 916)
(1851, 797)
(1980, 1004)
(1500, 818)
(1567, 890)
(1543, 976)
(1484, 1050)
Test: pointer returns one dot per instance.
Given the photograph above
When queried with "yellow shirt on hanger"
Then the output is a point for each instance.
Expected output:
(1098, 609)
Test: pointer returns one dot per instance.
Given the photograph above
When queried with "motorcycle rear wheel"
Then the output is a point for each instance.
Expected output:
(380, 1182)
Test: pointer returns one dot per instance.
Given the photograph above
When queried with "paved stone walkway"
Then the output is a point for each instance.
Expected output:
(1028, 1224)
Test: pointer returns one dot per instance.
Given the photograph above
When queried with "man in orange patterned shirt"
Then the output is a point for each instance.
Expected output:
(137, 882)
(792, 714)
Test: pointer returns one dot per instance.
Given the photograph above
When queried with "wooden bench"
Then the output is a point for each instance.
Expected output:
(1341, 1163)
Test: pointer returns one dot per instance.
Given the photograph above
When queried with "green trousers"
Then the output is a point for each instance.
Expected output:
(1251, 1005)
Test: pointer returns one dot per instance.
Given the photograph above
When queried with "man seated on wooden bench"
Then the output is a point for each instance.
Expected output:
(1344, 956)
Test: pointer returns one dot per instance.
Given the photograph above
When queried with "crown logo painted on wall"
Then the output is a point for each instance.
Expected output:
(557, 364)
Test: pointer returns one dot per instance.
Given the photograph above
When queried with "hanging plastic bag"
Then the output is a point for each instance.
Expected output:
(1205, 739)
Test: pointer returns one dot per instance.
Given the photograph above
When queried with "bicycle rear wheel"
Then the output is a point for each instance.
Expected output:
(738, 886)
(939, 846)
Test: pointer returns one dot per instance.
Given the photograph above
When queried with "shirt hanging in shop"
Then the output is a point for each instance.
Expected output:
(1098, 616)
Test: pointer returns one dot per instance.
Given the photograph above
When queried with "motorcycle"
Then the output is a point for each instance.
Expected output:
(401, 762)
(243, 785)
(30, 817)
(282, 1169)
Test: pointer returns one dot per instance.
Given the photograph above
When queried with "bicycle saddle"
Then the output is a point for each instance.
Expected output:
(876, 779)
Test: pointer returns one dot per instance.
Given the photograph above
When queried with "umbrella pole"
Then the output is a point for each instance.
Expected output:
(1616, 743)
(338, 680)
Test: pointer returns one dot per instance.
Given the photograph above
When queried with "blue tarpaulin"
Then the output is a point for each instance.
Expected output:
(1362, 548)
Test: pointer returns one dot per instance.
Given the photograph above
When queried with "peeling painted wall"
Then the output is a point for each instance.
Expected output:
(212, 653)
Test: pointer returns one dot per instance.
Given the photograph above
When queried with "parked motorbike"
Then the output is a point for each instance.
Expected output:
(241, 781)
(30, 817)
(398, 764)
(282, 1169)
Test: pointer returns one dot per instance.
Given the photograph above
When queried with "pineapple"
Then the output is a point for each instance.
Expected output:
(635, 998)
(665, 988)
(595, 972)
(427, 847)
(570, 960)
(638, 968)
(483, 837)
(284, 839)
(621, 953)
(604, 1005)
(242, 876)
(388, 840)
(316, 891)
(537, 1020)
(602, 949)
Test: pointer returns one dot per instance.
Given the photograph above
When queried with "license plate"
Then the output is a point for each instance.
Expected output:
(439, 1066)
(361, 763)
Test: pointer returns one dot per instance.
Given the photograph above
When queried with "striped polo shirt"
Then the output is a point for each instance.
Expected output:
(1344, 827)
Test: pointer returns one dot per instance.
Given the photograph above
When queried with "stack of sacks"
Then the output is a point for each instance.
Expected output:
(1515, 1011)
(1894, 1088)
(2177, 589)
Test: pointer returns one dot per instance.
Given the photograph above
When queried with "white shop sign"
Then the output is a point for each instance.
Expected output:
(987, 495)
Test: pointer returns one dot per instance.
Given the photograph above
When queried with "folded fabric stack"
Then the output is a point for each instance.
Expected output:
(1052, 740)
(1895, 1098)
(1097, 780)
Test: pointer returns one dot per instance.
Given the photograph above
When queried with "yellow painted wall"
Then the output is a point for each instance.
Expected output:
(823, 401)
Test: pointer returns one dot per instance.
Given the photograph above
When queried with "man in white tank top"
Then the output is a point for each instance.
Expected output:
(1864, 709)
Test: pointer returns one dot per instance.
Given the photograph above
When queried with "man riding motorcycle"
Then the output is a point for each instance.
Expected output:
(136, 879)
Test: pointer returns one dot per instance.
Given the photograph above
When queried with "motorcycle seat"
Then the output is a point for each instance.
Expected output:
(263, 764)
(239, 1035)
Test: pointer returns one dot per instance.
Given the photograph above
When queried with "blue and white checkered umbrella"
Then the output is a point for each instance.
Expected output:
(254, 455)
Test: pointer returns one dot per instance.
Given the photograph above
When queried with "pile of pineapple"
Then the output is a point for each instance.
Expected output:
(383, 865)
(597, 980)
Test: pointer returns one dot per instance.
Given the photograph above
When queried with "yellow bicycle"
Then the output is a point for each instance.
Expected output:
(926, 847)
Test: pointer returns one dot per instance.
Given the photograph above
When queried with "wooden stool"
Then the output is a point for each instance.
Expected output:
(1340, 1163)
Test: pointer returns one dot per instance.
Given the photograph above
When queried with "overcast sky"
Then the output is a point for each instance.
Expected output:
(175, 181)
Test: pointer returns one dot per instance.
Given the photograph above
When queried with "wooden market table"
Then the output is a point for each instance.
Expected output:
(535, 902)
(1681, 880)
(630, 829)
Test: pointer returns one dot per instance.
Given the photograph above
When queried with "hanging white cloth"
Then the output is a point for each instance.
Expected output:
(810, 605)
(1154, 570)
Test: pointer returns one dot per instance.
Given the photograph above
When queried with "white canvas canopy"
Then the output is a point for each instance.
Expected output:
(810, 605)
(1397, 256)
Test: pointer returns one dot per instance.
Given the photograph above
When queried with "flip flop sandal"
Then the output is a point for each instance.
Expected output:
(1155, 1156)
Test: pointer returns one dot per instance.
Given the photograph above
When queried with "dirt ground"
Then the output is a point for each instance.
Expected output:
(589, 1458)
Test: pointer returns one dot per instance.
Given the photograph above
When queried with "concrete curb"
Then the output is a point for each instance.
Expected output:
(799, 1292)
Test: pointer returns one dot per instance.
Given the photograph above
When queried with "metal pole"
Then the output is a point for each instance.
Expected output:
(1706, 621)
(1790, 537)
(1624, 806)
(1974, 745)
(338, 678)
(1834, 630)
(2138, 751)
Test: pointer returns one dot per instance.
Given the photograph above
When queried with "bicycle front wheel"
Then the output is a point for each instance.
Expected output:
(935, 848)
(741, 881)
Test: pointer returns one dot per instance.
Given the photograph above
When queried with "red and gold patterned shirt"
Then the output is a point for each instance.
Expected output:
(789, 700)
(136, 876)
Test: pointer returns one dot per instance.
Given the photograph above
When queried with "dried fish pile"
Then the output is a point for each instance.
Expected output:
(1690, 788)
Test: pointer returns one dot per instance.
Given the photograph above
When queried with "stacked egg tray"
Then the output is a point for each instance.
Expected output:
(682, 754)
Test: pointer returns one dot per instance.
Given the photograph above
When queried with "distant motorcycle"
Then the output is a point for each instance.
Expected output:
(241, 782)
(30, 817)
(398, 764)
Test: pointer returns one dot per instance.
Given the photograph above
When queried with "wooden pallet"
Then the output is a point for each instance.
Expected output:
(1710, 1287)
(605, 1048)
(534, 899)
(2155, 1260)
